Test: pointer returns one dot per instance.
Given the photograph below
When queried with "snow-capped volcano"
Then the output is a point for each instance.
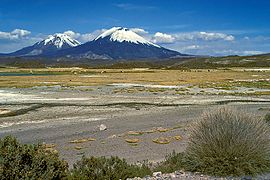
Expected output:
(59, 41)
(119, 43)
(48, 46)
(123, 34)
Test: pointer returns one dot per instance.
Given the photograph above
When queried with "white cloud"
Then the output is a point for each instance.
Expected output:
(139, 31)
(92, 35)
(215, 36)
(205, 36)
(84, 37)
(261, 38)
(163, 38)
(20, 32)
(15, 34)
(72, 34)
(192, 47)
(252, 52)
(127, 6)
(236, 52)
(5, 35)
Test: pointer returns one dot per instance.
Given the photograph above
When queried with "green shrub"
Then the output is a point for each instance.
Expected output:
(27, 64)
(225, 142)
(267, 118)
(173, 162)
(19, 161)
(99, 168)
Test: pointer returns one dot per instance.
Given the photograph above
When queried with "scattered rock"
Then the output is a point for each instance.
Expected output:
(179, 172)
(246, 178)
(112, 136)
(189, 176)
(157, 174)
(4, 111)
(172, 175)
(102, 127)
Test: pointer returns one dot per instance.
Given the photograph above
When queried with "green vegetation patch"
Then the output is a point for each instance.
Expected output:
(267, 118)
(99, 168)
(223, 142)
(19, 161)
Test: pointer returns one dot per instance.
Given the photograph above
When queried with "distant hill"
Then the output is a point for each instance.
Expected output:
(226, 61)
(175, 63)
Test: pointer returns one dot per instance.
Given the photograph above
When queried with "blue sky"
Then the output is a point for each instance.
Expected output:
(209, 27)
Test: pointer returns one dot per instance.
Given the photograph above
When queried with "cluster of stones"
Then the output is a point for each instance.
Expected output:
(183, 176)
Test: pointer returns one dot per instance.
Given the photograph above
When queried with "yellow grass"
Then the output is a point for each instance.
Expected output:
(149, 131)
(161, 129)
(82, 140)
(78, 147)
(50, 148)
(178, 138)
(167, 140)
(49, 145)
(135, 140)
(162, 77)
(134, 133)
(162, 140)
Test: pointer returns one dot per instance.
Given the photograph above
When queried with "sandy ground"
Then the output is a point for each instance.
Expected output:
(56, 115)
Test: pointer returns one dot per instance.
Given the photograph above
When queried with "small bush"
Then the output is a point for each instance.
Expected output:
(99, 168)
(225, 142)
(28, 64)
(267, 118)
(19, 161)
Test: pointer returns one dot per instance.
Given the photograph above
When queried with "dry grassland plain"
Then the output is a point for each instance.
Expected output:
(147, 112)
(90, 77)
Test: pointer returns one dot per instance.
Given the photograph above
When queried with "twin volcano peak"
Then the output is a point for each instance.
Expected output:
(115, 43)
(121, 34)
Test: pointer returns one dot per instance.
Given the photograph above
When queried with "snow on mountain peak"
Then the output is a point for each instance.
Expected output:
(59, 40)
(123, 34)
